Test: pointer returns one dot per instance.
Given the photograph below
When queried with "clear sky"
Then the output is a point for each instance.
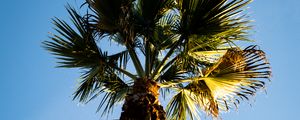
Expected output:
(32, 89)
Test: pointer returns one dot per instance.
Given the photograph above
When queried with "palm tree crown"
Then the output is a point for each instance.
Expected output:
(186, 48)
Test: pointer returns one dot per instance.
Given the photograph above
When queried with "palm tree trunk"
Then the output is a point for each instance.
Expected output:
(143, 103)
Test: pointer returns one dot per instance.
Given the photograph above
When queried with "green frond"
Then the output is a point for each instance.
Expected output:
(237, 75)
(163, 33)
(102, 76)
(109, 85)
(122, 57)
(173, 73)
(87, 85)
(204, 26)
(151, 11)
(211, 17)
(203, 97)
(74, 47)
(162, 40)
(107, 15)
(188, 64)
(77, 48)
(114, 91)
(181, 105)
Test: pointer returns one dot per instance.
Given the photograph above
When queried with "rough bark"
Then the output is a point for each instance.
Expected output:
(143, 103)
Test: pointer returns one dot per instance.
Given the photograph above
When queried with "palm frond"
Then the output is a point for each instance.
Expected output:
(205, 25)
(106, 83)
(172, 73)
(99, 77)
(149, 13)
(208, 25)
(76, 47)
(87, 85)
(204, 17)
(114, 90)
(163, 35)
(243, 70)
(107, 15)
(204, 97)
(237, 75)
(181, 105)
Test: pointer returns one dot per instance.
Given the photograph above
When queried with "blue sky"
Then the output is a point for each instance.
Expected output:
(32, 89)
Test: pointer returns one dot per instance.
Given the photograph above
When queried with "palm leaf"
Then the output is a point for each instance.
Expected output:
(77, 48)
(114, 90)
(217, 15)
(107, 83)
(107, 13)
(148, 13)
(236, 76)
(181, 105)
(204, 25)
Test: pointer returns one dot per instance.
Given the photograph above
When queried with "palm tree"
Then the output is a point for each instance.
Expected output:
(184, 50)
